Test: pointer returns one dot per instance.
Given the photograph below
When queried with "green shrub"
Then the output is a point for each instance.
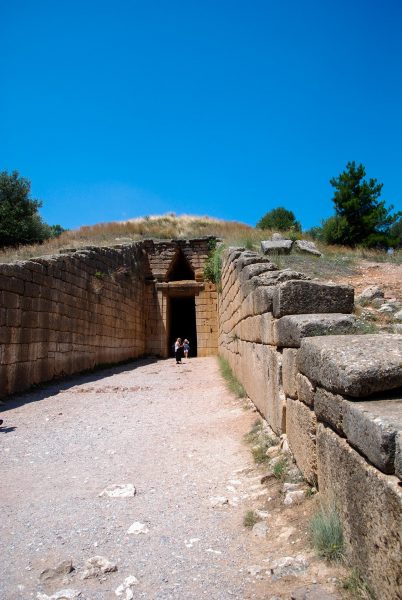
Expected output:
(326, 533)
(280, 469)
(213, 265)
(250, 519)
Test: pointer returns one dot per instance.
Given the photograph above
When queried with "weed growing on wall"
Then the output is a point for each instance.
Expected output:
(232, 383)
(280, 469)
(326, 533)
(260, 440)
(357, 587)
(213, 265)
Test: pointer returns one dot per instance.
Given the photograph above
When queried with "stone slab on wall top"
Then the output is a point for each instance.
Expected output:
(353, 365)
(308, 297)
(291, 329)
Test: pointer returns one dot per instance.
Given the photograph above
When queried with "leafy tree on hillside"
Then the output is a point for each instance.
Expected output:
(279, 218)
(20, 222)
(361, 218)
(396, 233)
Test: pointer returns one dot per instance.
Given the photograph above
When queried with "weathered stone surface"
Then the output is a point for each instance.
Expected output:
(64, 594)
(301, 425)
(306, 247)
(312, 592)
(258, 328)
(289, 371)
(119, 490)
(127, 587)
(62, 569)
(260, 371)
(96, 566)
(356, 366)
(305, 390)
(369, 294)
(260, 529)
(308, 297)
(276, 246)
(371, 427)
(291, 329)
(294, 497)
(398, 455)
(398, 315)
(288, 565)
(370, 507)
(256, 269)
(329, 408)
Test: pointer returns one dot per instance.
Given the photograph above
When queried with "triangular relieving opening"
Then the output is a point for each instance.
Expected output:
(180, 269)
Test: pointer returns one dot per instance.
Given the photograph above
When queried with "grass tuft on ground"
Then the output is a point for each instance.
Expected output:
(232, 382)
(250, 519)
(326, 533)
(357, 587)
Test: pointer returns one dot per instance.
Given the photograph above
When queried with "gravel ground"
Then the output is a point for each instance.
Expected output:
(175, 433)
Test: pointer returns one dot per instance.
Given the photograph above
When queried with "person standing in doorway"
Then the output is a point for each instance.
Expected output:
(178, 350)
(186, 348)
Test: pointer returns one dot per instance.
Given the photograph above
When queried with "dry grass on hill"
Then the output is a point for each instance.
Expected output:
(337, 262)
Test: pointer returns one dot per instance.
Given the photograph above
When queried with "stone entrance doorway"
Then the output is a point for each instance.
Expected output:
(182, 321)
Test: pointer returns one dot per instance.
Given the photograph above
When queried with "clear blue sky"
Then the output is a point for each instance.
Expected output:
(226, 108)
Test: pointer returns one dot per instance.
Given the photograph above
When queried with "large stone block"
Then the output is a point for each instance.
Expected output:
(291, 329)
(308, 297)
(354, 365)
(258, 329)
(260, 371)
(305, 390)
(301, 426)
(370, 507)
(398, 454)
(289, 371)
(276, 246)
(371, 427)
(329, 408)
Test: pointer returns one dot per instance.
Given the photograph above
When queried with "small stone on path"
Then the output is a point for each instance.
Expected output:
(288, 565)
(313, 592)
(119, 490)
(218, 501)
(136, 528)
(98, 565)
(62, 569)
(127, 587)
(260, 529)
(65, 594)
(294, 497)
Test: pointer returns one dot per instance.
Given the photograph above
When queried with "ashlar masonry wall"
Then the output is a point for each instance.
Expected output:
(337, 395)
(64, 314)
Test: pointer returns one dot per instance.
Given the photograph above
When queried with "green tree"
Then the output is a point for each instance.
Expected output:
(361, 218)
(20, 222)
(396, 233)
(279, 218)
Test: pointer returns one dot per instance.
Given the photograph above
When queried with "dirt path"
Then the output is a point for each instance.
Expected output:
(175, 433)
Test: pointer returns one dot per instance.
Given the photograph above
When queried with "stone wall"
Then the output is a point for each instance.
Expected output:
(64, 314)
(67, 313)
(337, 395)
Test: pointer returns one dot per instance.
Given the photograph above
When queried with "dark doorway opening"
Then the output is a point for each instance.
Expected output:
(183, 323)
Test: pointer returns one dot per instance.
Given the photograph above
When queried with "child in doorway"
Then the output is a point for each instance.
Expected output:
(186, 348)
